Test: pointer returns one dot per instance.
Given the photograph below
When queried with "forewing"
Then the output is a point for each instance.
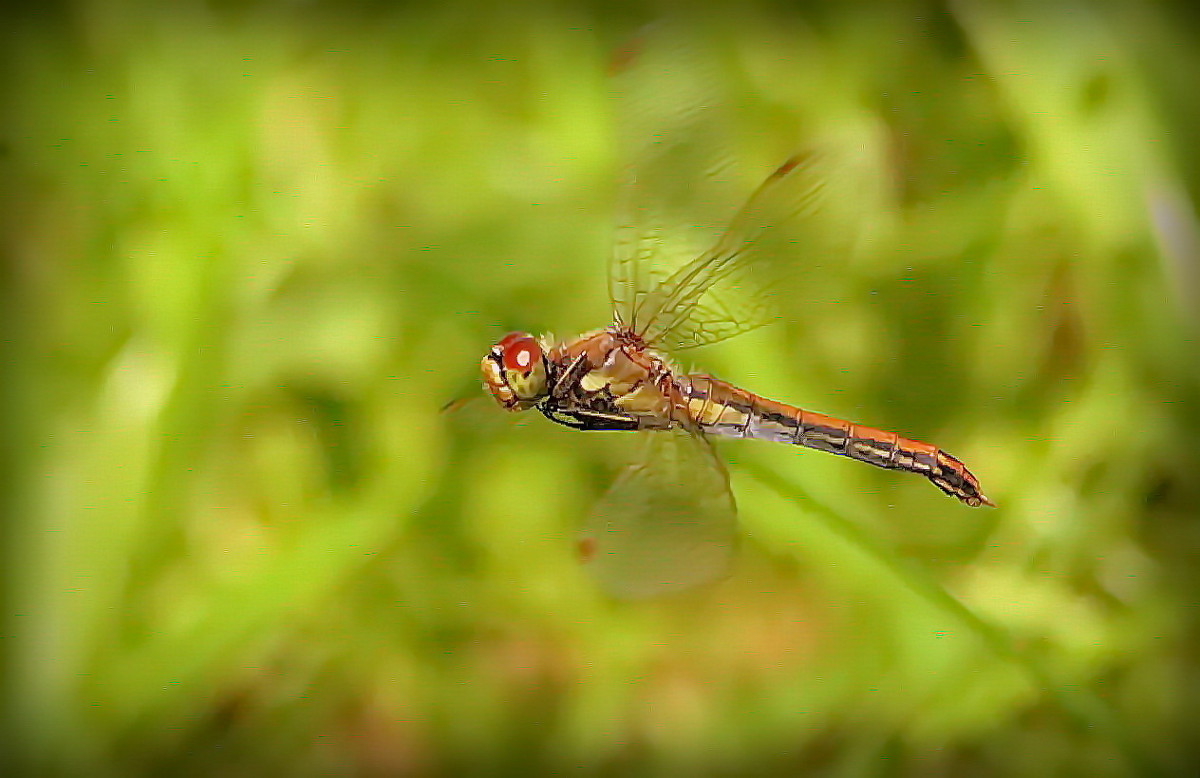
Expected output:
(689, 268)
(679, 176)
(667, 523)
(725, 290)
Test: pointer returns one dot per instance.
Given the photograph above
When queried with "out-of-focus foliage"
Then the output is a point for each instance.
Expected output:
(249, 253)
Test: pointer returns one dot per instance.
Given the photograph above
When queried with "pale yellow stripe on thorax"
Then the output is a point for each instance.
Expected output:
(646, 400)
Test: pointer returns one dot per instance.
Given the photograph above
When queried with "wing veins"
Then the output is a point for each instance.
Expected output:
(728, 255)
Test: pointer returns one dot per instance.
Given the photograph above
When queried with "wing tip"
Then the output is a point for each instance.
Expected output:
(789, 164)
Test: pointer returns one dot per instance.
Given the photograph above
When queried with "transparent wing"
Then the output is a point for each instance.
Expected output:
(688, 267)
(673, 130)
(725, 290)
(667, 523)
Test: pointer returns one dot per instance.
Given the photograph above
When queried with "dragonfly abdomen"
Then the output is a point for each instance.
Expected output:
(720, 408)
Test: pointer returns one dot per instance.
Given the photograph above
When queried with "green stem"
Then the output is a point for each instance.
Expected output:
(1081, 706)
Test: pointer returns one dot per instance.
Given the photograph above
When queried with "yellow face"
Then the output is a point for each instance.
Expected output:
(514, 371)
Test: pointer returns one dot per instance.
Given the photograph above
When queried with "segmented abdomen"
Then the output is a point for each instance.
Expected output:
(723, 409)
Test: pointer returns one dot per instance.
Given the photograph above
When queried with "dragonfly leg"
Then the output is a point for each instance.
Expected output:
(589, 420)
(568, 378)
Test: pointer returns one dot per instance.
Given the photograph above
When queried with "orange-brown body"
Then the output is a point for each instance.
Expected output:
(610, 380)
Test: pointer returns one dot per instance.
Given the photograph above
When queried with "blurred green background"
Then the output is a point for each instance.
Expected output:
(250, 250)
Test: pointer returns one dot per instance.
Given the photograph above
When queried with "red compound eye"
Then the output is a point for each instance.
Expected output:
(520, 352)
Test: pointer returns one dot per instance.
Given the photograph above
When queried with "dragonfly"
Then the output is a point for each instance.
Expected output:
(620, 378)
(668, 521)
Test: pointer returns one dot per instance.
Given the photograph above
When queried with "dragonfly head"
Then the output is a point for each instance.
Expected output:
(514, 371)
